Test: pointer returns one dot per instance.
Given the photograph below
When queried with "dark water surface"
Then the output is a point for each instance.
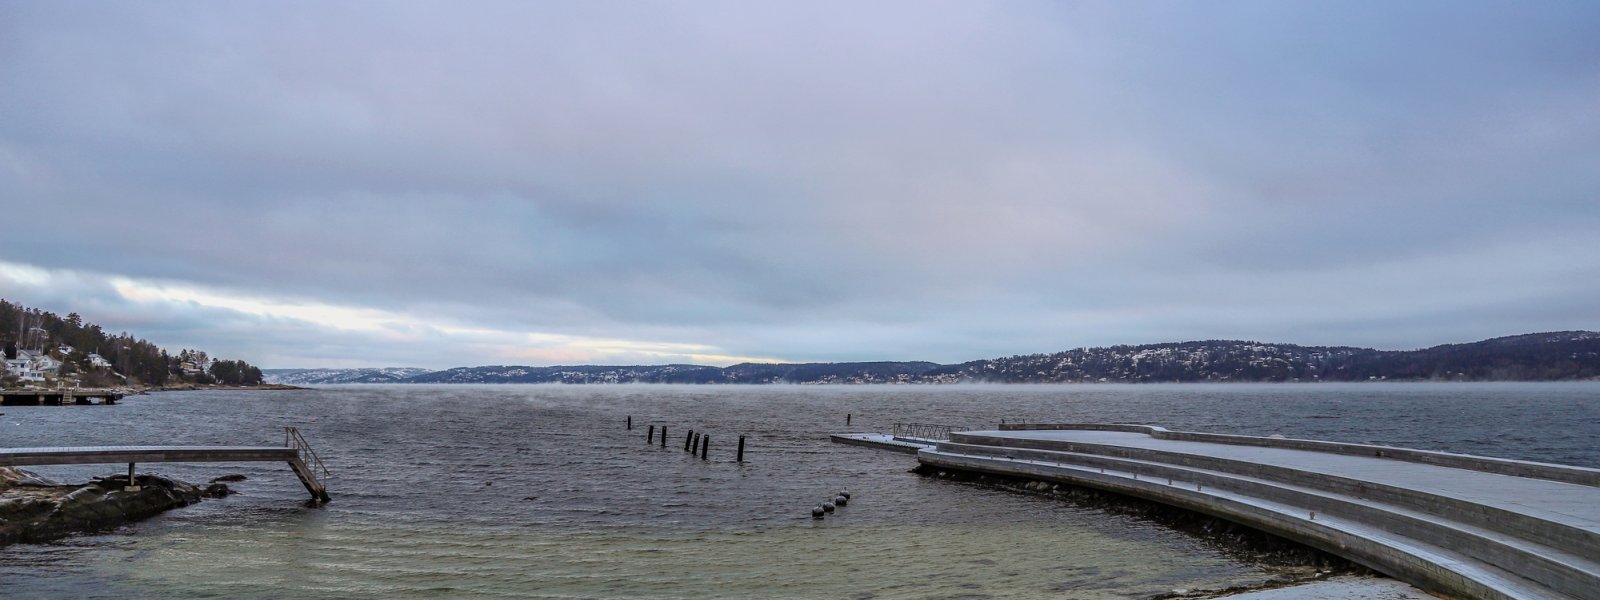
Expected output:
(538, 492)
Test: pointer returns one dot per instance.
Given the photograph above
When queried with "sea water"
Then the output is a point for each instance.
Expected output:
(540, 491)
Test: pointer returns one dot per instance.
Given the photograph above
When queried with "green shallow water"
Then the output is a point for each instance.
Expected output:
(834, 560)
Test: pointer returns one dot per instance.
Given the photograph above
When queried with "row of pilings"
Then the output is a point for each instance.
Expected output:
(696, 443)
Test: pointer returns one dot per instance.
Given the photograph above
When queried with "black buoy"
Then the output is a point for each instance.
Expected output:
(817, 512)
(840, 501)
(827, 506)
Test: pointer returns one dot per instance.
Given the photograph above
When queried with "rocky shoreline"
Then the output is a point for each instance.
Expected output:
(34, 509)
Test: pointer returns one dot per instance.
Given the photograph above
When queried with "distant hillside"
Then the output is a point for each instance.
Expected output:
(870, 372)
(1557, 356)
(1554, 356)
(326, 376)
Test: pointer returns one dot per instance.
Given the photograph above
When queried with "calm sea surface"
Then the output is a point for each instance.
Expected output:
(539, 492)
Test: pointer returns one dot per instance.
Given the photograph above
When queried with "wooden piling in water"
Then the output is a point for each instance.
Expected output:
(630, 422)
(650, 436)
(705, 446)
(663, 436)
(741, 449)
(847, 419)
(688, 438)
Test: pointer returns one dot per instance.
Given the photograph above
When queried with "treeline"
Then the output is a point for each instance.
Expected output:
(132, 361)
(234, 372)
(1555, 356)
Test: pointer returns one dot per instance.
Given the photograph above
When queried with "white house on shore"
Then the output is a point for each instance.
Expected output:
(32, 365)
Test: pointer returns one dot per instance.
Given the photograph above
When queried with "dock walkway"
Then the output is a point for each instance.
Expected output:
(296, 452)
(1461, 525)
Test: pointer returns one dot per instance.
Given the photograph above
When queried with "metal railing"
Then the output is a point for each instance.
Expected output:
(922, 431)
(292, 439)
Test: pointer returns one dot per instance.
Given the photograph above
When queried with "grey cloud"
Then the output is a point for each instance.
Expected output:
(817, 181)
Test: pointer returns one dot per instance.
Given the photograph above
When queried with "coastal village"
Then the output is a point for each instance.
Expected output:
(64, 366)
(44, 351)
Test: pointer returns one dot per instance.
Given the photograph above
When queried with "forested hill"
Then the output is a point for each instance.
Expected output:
(98, 359)
(1567, 355)
(1558, 356)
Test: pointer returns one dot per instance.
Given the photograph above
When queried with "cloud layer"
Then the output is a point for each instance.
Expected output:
(617, 182)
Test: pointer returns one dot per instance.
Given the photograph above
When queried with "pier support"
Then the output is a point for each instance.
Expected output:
(133, 484)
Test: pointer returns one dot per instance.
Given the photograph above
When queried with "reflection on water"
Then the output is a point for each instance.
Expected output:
(537, 491)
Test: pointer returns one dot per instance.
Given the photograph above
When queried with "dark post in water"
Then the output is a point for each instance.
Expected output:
(705, 444)
(847, 418)
(741, 449)
(688, 438)
(663, 436)
(650, 435)
(630, 422)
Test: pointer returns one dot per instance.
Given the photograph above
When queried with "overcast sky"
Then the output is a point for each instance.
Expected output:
(465, 183)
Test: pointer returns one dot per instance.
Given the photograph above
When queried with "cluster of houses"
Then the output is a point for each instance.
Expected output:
(33, 366)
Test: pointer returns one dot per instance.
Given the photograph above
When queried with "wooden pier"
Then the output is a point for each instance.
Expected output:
(296, 452)
(1464, 526)
(58, 397)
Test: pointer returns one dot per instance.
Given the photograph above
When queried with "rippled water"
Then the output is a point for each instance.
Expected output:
(538, 491)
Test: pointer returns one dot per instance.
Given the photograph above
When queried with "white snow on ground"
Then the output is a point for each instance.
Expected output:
(1342, 588)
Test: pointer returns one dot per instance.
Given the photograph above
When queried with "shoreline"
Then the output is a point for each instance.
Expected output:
(1291, 571)
(192, 387)
(1343, 587)
(34, 509)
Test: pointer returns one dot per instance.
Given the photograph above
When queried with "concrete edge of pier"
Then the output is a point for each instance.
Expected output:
(881, 441)
(1486, 464)
(1452, 530)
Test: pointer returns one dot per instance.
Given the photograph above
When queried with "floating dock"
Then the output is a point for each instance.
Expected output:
(1460, 525)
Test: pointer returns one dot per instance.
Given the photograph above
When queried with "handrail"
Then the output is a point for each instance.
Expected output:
(922, 431)
(307, 455)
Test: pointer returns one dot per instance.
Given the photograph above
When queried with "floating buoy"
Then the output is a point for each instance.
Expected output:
(817, 512)
(840, 501)
(827, 506)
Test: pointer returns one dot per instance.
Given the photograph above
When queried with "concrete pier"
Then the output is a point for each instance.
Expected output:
(1460, 525)
(883, 441)
(60, 397)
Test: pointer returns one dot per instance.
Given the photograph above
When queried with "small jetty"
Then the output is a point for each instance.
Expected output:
(1460, 525)
(906, 438)
(58, 397)
(296, 452)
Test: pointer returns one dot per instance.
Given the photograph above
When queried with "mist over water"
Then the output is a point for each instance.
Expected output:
(538, 491)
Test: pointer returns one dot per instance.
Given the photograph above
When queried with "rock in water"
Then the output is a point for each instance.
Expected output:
(32, 512)
(217, 490)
